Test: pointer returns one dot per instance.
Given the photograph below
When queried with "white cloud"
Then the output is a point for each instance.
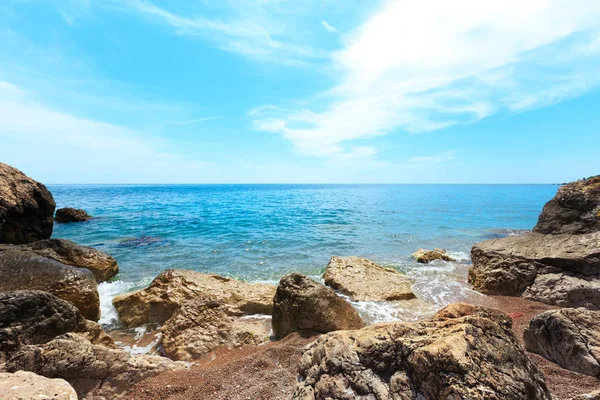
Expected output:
(328, 27)
(421, 66)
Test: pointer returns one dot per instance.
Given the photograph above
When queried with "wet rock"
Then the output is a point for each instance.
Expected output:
(575, 209)
(26, 270)
(26, 208)
(67, 252)
(93, 370)
(303, 304)
(24, 385)
(172, 287)
(202, 324)
(556, 269)
(364, 280)
(569, 337)
(66, 215)
(424, 256)
(468, 356)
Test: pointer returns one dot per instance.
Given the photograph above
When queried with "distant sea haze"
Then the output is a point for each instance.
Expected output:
(261, 232)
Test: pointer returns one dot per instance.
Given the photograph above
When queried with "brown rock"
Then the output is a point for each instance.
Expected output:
(424, 256)
(67, 252)
(595, 395)
(94, 371)
(303, 304)
(575, 209)
(25, 270)
(24, 385)
(65, 215)
(158, 302)
(202, 324)
(26, 208)
(363, 280)
(569, 337)
(468, 357)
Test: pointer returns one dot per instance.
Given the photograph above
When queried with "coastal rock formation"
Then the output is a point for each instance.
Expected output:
(202, 324)
(66, 215)
(454, 356)
(67, 252)
(424, 256)
(24, 385)
(303, 304)
(25, 270)
(570, 337)
(555, 269)
(94, 371)
(363, 280)
(172, 287)
(575, 209)
(26, 208)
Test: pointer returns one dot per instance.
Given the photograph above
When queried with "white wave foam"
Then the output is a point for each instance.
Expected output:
(109, 319)
(137, 349)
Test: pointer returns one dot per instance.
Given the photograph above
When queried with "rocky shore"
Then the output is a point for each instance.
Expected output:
(535, 336)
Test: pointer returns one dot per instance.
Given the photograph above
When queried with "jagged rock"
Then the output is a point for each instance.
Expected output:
(158, 302)
(67, 252)
(93, 370)
(556, 269)
(25, 270)
(425, 256)
(202, 324)
(303, 304)
(465, 352)
(575, 209)
(363, 280)
(569, 337)
(36, 317)
(595, 395)
(24, 385)
(26, 208)
(65, 215)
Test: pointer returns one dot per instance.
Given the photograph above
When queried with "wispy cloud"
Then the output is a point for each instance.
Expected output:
(197, 120)
(422, 66)
(328, 27)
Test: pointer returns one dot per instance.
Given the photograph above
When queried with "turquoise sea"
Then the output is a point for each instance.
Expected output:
(261, 232)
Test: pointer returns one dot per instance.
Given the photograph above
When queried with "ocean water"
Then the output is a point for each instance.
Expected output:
(261, 232)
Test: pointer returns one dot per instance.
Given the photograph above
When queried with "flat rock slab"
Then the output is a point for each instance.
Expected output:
(25, 385)
(172, 287)
(569, 337)
(364, 280)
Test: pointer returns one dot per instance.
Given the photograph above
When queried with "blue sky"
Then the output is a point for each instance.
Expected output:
(291, 91)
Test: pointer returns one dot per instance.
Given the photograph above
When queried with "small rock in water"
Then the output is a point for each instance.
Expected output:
(425, 256)
(66, 215)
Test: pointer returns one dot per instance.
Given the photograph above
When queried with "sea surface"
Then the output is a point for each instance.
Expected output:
(261, 232)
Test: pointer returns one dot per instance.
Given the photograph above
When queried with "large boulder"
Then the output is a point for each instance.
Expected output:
(304, 304)
(26, 208)
(172, 287)
(25, 270)
(93, 370)
(66, 215)
(25, 385)
(575, 209)
(425, 256)
(363, 280)
(570, 337)
(555, 269)
(202, 324)
(464, 353)
(67, 252)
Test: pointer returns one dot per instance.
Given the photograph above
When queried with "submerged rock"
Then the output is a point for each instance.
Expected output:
(575, 209)
(66, 215)
(202, 324)
(26, 270)
(424, 256)
(67, 252)
(556, 269)
(141, 241)
(172, 287)
(26, 208)
(24, 385)
(94, 371)
(303, 304)
(465, 352)
(570, 337)
(364, 280)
